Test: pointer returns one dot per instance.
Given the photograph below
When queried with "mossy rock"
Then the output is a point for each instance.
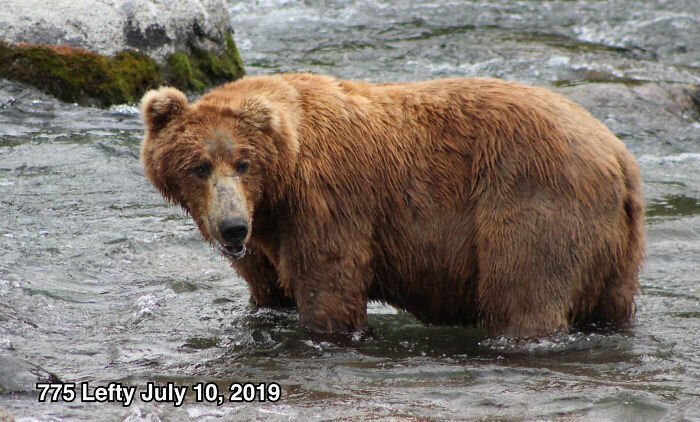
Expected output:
(77, 75)
(201, 68)
(80, 76)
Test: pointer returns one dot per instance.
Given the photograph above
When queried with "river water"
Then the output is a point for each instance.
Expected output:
(101, 281)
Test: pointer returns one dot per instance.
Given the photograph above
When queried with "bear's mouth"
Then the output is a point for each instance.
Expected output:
(233, 251)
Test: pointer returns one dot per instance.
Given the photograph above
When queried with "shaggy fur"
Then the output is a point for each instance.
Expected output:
(462, 201)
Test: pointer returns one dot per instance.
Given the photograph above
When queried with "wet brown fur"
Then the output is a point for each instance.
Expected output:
(463, 201)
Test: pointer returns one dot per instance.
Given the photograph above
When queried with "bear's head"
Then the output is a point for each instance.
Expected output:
(218, 158)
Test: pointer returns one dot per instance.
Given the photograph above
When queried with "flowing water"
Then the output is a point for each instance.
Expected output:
(101, 281)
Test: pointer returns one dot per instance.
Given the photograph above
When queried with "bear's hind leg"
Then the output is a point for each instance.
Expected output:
(529, 272)
(522, 314)
(616, 301)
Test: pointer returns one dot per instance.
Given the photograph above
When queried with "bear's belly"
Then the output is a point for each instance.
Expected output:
(431, 297)
(428, 269)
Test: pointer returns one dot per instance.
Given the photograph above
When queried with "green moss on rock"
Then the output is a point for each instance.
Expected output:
(180, 73)
(202, 68)
(218, 69)
(134, 73)
(77, 75)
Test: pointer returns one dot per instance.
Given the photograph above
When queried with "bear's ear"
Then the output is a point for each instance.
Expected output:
(259, 112)
(159, 107)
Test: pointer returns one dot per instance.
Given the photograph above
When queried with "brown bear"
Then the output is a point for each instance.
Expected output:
(462, 201)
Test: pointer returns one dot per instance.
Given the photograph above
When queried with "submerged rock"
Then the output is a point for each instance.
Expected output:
(670, 112)
(112, 51)
(17, 375)
(5, 415)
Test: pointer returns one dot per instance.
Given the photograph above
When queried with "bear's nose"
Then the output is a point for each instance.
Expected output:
(234, 230)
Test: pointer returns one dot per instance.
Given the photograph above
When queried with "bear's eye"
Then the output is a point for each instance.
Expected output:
(203, 171)
(242, 167)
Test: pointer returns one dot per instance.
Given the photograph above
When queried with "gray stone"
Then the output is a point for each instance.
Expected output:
(5, 415)
(670, 112)
(17, 375)
(154, 27)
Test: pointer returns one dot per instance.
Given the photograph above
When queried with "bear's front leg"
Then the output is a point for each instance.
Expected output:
(331, 293)
(263, 281)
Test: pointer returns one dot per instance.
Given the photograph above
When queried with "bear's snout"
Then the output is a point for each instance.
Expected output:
(234, 231)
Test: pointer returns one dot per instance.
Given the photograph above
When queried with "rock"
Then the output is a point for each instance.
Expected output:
(5, 415)
(681, 100)
(670, 112)
(111, 51)
(17, 375)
